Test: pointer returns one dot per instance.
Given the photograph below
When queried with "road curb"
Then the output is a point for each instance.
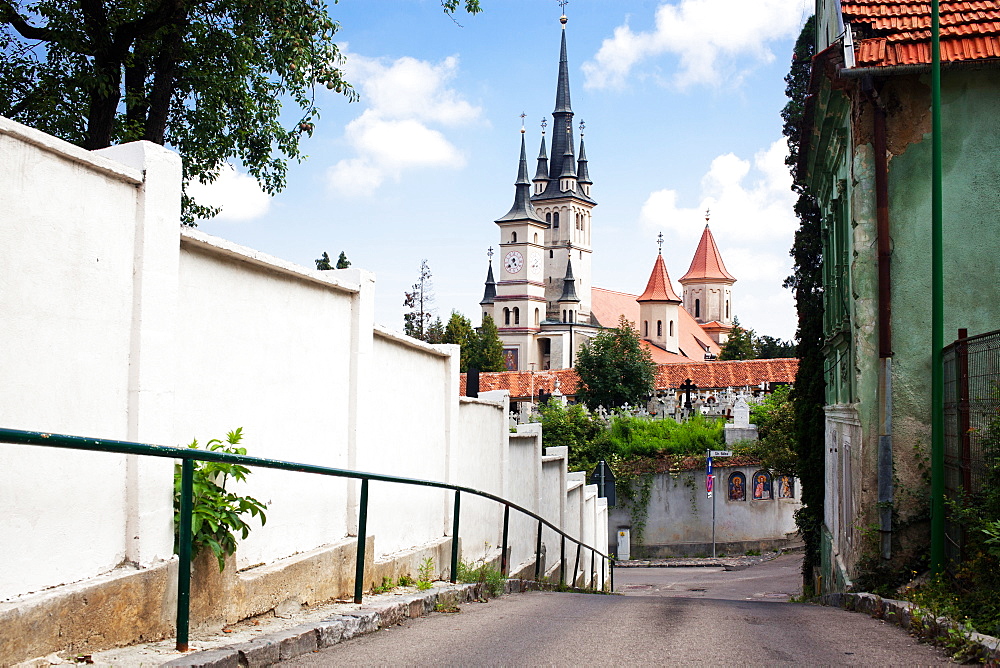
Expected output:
(306, 638)
(916, 620)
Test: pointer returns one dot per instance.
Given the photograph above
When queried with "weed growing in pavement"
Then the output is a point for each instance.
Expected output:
(425, 574)
(481, 572)
(387, 585)
(405, 581)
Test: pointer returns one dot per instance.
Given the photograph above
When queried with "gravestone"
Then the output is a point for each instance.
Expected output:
(740, 429)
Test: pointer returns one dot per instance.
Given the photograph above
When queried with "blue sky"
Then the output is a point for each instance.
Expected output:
(682, 106)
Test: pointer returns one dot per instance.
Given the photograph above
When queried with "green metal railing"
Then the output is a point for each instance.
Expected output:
(189, 455)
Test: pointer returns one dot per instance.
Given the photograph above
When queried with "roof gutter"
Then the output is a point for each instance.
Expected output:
(917, 68)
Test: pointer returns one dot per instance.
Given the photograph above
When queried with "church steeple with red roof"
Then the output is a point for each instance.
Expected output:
(708, 288)
(659, 321)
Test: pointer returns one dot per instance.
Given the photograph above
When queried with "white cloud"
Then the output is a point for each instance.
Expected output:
(710, 38)
(753, 223)
(404, 97)
(745, 202)
(238, 194)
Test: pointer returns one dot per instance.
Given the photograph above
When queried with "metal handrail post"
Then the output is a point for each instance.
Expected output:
(504, 562)
(612, 572)
(538, 551)
(186, 506)
(359, 566)
(562, 561)
(593, 571)
(454, 537)
(576, 564)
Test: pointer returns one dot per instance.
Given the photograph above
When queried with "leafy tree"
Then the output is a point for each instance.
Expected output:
(768, 347)
(739, 345)
(435, 332)
(342, 261)
(207, 78)
(574, 427)
(489, 348)
(420, 302)
(459, 330)
(614, 368)
(324, 262)
(806, 280)
(775, 420)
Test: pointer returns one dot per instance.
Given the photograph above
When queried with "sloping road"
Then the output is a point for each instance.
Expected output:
(668, 616)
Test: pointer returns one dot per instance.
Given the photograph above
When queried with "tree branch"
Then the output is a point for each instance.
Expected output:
(10, 16)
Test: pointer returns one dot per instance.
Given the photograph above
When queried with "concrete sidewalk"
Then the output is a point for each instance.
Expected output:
(729, 563)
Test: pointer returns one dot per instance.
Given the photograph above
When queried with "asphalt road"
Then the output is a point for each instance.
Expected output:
(667, 616)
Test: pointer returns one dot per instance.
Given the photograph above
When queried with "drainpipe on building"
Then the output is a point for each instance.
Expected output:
(884, 249)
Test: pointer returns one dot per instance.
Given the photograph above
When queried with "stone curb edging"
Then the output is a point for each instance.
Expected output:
(901, 614)
(281, 645)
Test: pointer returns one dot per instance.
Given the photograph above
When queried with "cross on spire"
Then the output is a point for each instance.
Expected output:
(522, 121)
(545, 124)
(708, 213)
(582, 126)
(659, 242)
(489, 253)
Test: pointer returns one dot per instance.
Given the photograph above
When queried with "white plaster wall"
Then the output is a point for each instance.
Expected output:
(67, 224)
(524, 480)
(408, 435)
(266, 349)
(479, 461)
(552, 502)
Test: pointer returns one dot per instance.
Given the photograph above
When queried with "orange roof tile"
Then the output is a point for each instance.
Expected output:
(706, 375)
(898, 32)
(707, 262)
(659, 289)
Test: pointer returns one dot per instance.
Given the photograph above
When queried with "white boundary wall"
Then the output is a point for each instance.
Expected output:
(119, 324)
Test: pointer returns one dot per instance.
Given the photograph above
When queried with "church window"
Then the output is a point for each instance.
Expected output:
(564, 315)
(697, 308)
(659, 328)
(645, 328)
(671, 328)
(513, 237)
(506, 316)
(581, 255)
(548, 218)
(538, 318)
(727, 309)
(555, 219)
(517, 316)
(550, 255)
(536, 237)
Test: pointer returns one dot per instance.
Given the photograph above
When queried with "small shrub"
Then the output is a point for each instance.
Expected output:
(386, 586)
(406, 581)
(425, 574)
(482, 573)
(217, 514)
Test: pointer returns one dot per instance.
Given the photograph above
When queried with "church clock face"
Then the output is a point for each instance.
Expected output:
(513, 261)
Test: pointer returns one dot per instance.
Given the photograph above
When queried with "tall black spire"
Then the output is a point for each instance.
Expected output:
(542, 172)
(562, 87)
(582, 173)
(569, 284)
(522, 208)
(562, 115)
(491, 285)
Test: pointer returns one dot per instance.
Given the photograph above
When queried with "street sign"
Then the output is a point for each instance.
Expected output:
(709, 484)
(721, 453)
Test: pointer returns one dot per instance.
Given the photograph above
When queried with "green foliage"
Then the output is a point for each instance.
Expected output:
(775, 447)
(631, 437)
(489, 351)
(425, 574)
(807, 282)
(768, 347)
(386, 586)
(323, 263)
(406, 581)
(574, 427)
(217, 514)
(342, 261)
(459, 331)
(739, 344)
(481, 572)
(634, 492)
(614, 369)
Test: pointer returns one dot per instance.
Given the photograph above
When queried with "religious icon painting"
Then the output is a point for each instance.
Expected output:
(786, 487)
(510, 358)
(737, 487)
(762, 486)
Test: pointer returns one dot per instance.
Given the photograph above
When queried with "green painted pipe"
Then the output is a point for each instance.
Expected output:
(937, 303)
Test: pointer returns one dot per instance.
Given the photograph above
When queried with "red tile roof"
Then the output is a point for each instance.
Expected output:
(608, 305)
(706, 375)
(707, 261)
(898, 32)
(658, 288)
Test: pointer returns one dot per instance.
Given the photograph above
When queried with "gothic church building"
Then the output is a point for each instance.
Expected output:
(544, 303)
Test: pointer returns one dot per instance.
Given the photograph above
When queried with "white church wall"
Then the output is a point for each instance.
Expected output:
(119, 324)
